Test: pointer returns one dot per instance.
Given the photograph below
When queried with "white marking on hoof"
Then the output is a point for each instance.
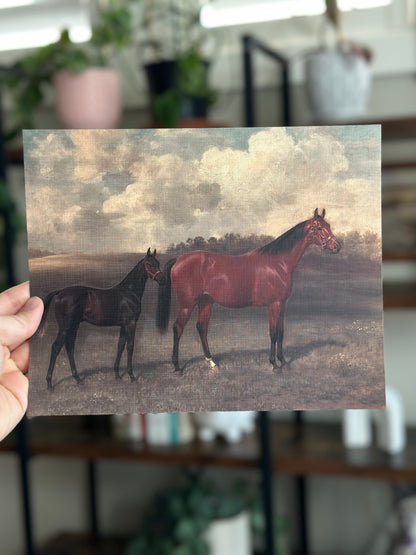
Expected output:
(212, 366)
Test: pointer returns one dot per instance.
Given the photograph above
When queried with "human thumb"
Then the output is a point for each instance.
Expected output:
(15, 329)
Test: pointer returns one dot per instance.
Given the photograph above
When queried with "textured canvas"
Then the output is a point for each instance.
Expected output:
(205, 269)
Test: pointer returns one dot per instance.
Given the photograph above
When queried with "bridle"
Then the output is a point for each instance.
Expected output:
(153, 275)
(317, 232)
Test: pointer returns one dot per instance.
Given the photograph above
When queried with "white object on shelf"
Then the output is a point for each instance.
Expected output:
(391, 425)
(127, 427)
(356, 429)
(169, 428)
(229, 424)
(155, 429)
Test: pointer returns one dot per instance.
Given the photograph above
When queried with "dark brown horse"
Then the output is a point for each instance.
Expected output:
(119, 305)
(262, 277)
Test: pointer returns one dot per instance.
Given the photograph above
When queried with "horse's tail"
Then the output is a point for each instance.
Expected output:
(46, 303)
(164, 298)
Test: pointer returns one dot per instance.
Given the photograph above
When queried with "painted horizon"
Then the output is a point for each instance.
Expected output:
(268, 249)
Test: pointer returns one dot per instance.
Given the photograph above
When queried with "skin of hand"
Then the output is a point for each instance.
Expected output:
(20, 316)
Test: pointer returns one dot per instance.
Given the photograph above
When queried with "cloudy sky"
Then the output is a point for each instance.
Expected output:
(125, 190)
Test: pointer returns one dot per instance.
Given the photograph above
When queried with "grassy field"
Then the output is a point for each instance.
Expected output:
(333, 341)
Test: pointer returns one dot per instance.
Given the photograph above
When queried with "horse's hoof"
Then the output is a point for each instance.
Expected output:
(133, 378)
(80, 381)
(213, 367)
(277, 368)
(213, 370)
(50, 387)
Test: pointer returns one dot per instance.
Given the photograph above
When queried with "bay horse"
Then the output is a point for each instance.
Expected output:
(261, 277)
(119, 305)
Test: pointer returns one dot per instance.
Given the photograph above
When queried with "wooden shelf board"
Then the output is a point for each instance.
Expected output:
(81, 544)
(399, 295)
(401, 128)
(320, 451)
(399, 165)
(66, 437)
(312, 449)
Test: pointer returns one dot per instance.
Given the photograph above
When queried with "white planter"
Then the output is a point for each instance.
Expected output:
(338, 85)
(230, 536)
(90, 99)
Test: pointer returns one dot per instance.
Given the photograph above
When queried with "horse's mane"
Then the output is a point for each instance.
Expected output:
(285, 242)
(128, 277)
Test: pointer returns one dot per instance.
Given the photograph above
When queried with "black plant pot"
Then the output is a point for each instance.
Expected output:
(161, 77)
(192, 107)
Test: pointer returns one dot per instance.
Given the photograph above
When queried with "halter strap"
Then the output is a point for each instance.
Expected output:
(151, 274)
(323, 241)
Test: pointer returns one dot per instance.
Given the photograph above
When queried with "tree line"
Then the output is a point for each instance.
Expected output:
(231, 243)
(354, 244)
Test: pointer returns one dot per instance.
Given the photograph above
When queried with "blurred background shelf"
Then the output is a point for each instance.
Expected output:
(81, 544)
(399, 295)
(306, 450)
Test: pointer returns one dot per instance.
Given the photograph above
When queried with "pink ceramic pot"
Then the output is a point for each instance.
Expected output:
(88, 100)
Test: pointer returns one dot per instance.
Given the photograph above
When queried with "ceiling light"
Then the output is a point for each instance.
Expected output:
(347, 5)
(223, 13)
(229, 12)
(5, 4)
(28, 39)
(31, 24)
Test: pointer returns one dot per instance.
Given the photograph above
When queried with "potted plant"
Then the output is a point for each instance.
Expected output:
(338, 78)
(86, 88)
(183, 521)
(173, 43)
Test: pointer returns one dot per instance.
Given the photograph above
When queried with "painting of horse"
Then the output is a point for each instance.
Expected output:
(119, 305)
(265, 292)
(261, 277)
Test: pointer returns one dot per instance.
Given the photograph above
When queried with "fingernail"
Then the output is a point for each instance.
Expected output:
(32, 304)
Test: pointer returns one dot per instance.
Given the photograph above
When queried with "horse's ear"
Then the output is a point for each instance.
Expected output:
(316, 213)
(323, 214)
(148, 251)
(154, 252)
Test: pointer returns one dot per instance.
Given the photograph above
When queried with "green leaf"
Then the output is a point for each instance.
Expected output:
(167, 108)
(185, 530)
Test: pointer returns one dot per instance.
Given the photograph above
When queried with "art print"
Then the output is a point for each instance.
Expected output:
(205, 269)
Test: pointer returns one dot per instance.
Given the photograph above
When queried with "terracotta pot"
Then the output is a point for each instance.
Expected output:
(338, 85)
(90, 99)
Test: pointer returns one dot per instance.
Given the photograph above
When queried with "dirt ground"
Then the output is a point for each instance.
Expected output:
(333, 342)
